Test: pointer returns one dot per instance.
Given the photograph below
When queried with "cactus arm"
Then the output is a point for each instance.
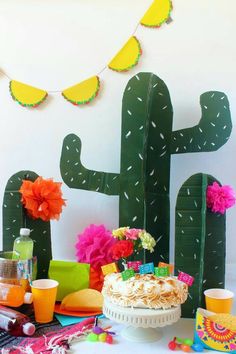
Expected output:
(75, 175)
(199, 241)
(13, 220)
(213, 130)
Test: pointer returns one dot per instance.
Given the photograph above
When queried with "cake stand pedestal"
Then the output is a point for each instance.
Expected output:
(141, 323)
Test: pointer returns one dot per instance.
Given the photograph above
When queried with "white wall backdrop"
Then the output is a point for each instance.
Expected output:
(54, 44)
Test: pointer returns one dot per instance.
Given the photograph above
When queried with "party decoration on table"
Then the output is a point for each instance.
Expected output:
(186, 278)
(199, 241)
(127, 57)
(98, 334)
(85, 300)
(15, 216)
(157, 14)
(161, 271)
(42, 198)
(146, 268)
(219, 198)
(127, 274)
(84, 92)
(25, 95)
(147, 142)
(109, 268)
(67, 318)
(183, 344)
(71, 276)
(213, 336)
(170, 266)
(134, 264)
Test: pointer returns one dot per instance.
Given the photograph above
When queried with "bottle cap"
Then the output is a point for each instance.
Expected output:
(24, 232)
(28, 328)
(28, 298)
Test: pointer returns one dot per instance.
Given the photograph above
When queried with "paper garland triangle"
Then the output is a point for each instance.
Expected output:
(84, 92)
(127, 57)
(26, 95)
(157, 13)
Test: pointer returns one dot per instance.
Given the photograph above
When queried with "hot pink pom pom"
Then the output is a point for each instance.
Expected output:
(93, 246)
(220, 198)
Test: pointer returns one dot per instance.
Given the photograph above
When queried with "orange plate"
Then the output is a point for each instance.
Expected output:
(57, 309)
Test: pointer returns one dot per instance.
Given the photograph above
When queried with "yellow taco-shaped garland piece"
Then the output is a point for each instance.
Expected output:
(83, 92)
(26, 95)
(157, 13)
(127, 57)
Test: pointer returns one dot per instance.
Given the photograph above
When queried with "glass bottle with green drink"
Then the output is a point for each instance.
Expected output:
(23, 245)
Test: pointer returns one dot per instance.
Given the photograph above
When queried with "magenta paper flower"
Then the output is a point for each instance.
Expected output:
(132, 234)
(219, 198)
(94, 245)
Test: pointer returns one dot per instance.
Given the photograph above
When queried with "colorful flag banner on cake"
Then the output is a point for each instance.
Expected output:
(146, 268)
(170, 266)
(134, 264)
(127, 274)
(109, 268)
(161, 271)
(186, 278)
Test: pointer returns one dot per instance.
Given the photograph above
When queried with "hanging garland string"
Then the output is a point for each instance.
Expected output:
(85, 91)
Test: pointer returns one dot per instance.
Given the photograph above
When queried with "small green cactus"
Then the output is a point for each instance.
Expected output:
(147, 142)
(14, 217)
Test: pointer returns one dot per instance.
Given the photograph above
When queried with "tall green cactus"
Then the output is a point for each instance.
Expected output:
(199, 241)
(147, 143)
(14, 218)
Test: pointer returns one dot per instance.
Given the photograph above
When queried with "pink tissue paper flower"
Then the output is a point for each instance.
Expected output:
(132, 234)
(219, 198)
(93, 246)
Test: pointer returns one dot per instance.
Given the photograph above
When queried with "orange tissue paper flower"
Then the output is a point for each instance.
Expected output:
(42, 198)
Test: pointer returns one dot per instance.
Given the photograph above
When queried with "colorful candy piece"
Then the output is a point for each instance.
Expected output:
(109, 268)
(186, 278)
(97, 330)
(170, 266)
(161, 271)
(109, 339)
(197, 347)
(127, 274)
(134, 264)
(92, 337)
(185, 348)
(172, 345)
(102, 337)
(146, 268)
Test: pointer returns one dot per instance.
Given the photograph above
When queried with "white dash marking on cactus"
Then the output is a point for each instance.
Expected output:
(160, 94)
(212, 95)
(155, 183)
(14, 221)
(153, 124)
(84, 181)
(209, 234)
(139, 99)
(17, 205)
(205, 107)
(159, 238)
(174, 138)
(180, 215)
(76, 164)
(19, 179)
(8, 228)
(152, 173)
(77, 150)
(163, 108)
(185, 147)
(137, 77)
(220, 283)
(66, 173)
(177, 149)
(140, 156)
(181, 254)
(67, 147)
(68, 161)
(115, 177)
(195, 203)
(134, 218)
(204, 143)
(11, 194)
(188, 191)
(224, 127)
(222, 97)
(94, 173)
(194, 256)
(217, 135)
(136, 183)
(163, 147)
(155, 219)
(129, 168)
(126, 195)
(141, 127)
(213, 124)
(191, 140)
(181, 134)
(129, 88)
(213, 144)
(5, 205)
(97, 189)
(44, 231)
(190, 296)
(154, 85)
(182, 231)
(219, 242)
(11, 181)
(153, 201)
(197, 240)
(199, 147)
(162, 136)
(107, 185)
(129, 112)
(216, 267)
(151, 148)
(72, 179)
(162, 256)
(225, 107)
(80, 173)
(200, 129)
(74, 140)
(128, 134)
(191, 218)
(163, 153)
(218, 114)
(137, 199)
(204, 281)
(165, 189)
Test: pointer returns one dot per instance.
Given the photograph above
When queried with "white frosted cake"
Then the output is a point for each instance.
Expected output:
(144, 291)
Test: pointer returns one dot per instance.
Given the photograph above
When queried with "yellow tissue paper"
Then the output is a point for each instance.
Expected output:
(157, 13)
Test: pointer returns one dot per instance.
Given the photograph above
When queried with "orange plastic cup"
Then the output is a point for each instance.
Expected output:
(219, 300)
(44, 297)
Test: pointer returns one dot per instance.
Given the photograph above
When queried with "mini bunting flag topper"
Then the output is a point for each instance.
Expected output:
(109, 268)
(146, 268)
(170, 266)
(186, 278)
(134, 264)
(161, 271)
(127, 274)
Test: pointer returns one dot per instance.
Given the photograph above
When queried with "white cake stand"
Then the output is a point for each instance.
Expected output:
(141, 323)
